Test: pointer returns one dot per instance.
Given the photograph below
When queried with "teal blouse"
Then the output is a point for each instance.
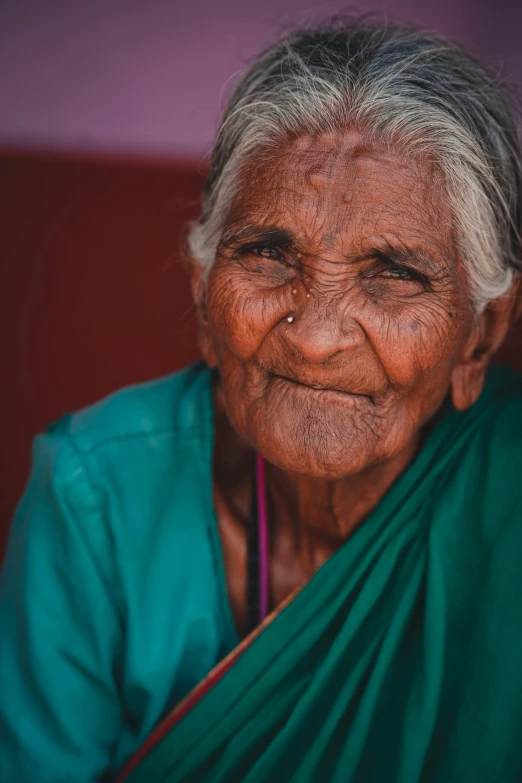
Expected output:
(113, 602)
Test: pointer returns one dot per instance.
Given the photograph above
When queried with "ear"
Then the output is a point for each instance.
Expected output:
(199, 294)
(486, 337)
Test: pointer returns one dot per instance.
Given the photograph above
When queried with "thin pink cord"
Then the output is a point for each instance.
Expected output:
(262, 515)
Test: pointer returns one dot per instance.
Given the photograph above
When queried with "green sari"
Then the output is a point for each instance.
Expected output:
(401, 660)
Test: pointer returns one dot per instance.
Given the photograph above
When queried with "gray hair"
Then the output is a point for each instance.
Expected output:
(397, 85)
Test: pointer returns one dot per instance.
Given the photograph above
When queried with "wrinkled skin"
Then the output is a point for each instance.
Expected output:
(338, 314)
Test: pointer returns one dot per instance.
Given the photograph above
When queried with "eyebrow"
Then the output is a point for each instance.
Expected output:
(402, 255)
(399, 253)
(272, 235)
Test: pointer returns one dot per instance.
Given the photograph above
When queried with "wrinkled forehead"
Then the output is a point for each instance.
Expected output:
(342, 186)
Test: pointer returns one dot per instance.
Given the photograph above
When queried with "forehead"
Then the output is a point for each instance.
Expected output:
(340, 186)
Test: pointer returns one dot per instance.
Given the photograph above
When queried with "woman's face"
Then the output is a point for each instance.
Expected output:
(337, 307)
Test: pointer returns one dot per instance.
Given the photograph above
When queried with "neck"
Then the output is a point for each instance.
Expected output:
(327, 512)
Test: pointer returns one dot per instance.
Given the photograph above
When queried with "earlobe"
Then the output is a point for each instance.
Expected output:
(197, 285)
(467, 382)
(206, 346)
(486, 336)
(199, 295)
(469, 374)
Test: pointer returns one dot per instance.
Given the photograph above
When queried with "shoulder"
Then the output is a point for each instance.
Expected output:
(174, 404)
(124, 476)
(140, 443)
(474, 457)
(503, 381)
(500, 409)
(487, 437)
(480, 455)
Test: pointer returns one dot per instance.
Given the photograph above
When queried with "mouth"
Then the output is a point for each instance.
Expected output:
(322, 389)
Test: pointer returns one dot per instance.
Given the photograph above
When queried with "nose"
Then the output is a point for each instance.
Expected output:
(321, 330)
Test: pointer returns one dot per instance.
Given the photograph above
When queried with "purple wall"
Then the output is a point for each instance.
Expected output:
(145, 76)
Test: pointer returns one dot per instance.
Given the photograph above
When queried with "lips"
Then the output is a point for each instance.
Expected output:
(314, 385)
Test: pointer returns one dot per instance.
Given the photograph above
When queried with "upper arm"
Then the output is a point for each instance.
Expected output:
(60, 628)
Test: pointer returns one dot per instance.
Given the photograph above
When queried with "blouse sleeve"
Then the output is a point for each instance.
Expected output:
(60, 629)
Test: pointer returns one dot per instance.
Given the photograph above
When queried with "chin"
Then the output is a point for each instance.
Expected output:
(324, 457)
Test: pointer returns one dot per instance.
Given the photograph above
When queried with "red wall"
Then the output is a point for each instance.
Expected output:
(93, 295)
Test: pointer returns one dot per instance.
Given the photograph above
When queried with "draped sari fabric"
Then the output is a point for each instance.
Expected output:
(401, 659)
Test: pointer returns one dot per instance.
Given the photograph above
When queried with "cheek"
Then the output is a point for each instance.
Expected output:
(415, 342)
(242, 310)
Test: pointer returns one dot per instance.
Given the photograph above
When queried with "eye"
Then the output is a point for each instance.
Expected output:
(385, 277)
(399, 273)
(252, 254)
(263, 251)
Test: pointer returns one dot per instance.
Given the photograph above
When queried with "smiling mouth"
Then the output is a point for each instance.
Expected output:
(317, 387)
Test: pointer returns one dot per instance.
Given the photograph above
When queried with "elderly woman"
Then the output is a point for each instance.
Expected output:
(302, 559)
